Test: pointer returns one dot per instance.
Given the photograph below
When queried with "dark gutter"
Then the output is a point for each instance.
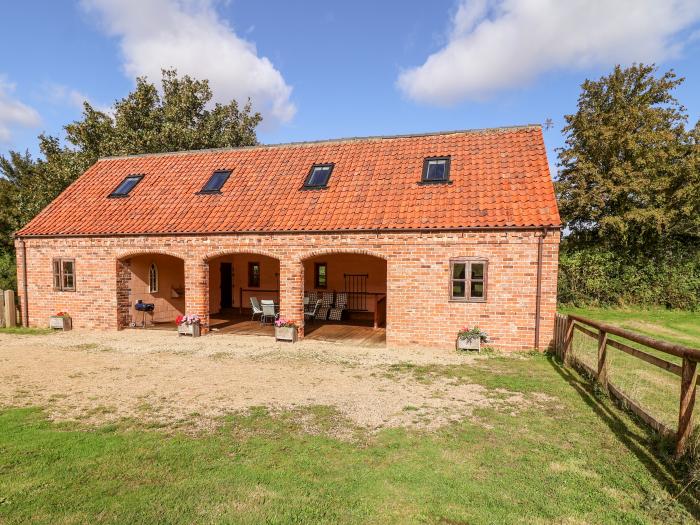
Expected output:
(19, 235)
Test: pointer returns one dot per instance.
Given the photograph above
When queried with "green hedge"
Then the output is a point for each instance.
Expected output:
(596, 277)
(8, 272)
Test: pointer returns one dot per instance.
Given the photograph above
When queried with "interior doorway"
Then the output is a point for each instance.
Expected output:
(226, 269)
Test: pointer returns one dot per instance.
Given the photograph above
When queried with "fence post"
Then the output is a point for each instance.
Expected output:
(689, 376)
(568, 340)
(2, 309)
(602, 358)
(10, 311)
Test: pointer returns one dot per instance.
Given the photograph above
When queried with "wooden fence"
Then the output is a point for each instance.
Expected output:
(563, 339)
(8, 309)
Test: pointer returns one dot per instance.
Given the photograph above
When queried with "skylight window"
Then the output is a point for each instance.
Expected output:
(216, 182)
(436, 169)
(126, 186)
(318, 176)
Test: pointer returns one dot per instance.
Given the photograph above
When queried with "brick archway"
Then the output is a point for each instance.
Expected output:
(365, 299)
(228, 291)
(339, 251)
(136, 252)
(124, 274)
(240, 251)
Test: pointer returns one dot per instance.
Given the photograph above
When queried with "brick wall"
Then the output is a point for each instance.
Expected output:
(418, 308)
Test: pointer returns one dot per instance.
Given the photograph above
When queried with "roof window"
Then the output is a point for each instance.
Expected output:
(126, 186)
(318, 176)
(216, 182)
(436, 169)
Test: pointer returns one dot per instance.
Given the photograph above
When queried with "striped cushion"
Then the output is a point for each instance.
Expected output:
(322, 314)
(327, 299)
(313, 297)
(336, 314)
(341, 300)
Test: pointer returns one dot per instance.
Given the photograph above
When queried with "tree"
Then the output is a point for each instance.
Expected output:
(145, 121)
(624, 171)
(180, 119)
(685, 197)
(142, 122)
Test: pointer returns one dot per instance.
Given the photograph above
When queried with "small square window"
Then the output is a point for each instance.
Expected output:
(468, 280)
(216, 182)
(436, 169)
(126, 186)
(64, 275)
(318, 176)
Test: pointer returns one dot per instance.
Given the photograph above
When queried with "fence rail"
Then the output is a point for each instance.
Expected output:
(563, 340)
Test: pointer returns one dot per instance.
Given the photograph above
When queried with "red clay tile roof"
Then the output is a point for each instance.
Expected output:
(499, 178)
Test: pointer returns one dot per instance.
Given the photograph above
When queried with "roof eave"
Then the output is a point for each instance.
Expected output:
(20, 235)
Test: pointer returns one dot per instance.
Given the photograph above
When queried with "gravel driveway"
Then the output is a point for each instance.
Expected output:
(156, 377)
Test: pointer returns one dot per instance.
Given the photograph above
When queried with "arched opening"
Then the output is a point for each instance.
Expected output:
(153, 279)
(352, 290)
(236, 281)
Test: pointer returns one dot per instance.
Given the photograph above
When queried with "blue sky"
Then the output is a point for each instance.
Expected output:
(335, 69)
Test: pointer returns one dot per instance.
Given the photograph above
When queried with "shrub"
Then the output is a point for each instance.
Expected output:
(599, 277)
(8, 272)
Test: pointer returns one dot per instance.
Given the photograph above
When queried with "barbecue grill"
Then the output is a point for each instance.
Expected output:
(144, 308)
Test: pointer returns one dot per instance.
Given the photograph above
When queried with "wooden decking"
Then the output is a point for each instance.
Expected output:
(361, 333)
(354, 332)
(238, 324)
(358, 332)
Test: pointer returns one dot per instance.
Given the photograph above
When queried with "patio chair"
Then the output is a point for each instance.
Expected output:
(310, 313)
(268, 311)
(341, 304)
(255, 307)
(313, 297)
(326, 304)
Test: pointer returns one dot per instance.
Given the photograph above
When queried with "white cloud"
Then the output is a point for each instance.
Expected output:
(13, 112)
(500, 44)
(61, 94)
(190, 36)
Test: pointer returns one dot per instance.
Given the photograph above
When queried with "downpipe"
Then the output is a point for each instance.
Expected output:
(25, 288)
(538, 298)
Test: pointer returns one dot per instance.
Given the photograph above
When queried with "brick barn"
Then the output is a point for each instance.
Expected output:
(419, 235)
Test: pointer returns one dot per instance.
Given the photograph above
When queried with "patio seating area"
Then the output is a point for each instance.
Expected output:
(340, 303)
(360, 332)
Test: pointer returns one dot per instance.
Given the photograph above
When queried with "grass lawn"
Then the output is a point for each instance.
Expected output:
(21, 330)
(575, 459)
(670, 325)
(655, 389)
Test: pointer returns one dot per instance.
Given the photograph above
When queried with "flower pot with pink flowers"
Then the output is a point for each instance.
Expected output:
(471, 338)
(188, 325)
(286, 330)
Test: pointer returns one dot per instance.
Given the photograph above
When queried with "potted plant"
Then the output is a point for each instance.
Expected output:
(61, 321)
(471, 338)
(285, 330)
(188, 325)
